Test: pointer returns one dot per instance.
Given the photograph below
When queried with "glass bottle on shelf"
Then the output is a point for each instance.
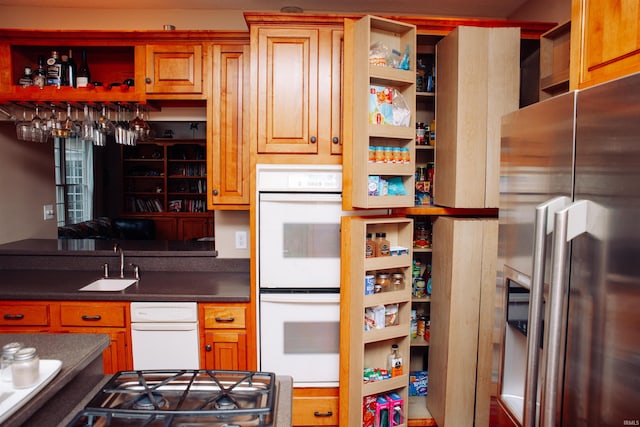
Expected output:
(27, 77)
(54, 69)
(395, 362)
(40, 75)
(84, 76)
(72, 70)
(370, 247)
(383, 247)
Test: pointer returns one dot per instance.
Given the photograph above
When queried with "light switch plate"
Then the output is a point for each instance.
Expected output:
(48, 212)
(241, 240)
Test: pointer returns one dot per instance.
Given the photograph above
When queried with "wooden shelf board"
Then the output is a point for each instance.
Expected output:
(419, 414)
(444, 211)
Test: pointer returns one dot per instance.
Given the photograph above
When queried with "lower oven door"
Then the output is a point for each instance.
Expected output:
(300, 337)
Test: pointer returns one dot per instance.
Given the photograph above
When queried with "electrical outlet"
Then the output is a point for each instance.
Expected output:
(48, 212)
(241, 240)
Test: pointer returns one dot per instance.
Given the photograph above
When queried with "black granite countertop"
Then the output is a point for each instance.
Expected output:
(78, 353)
(152, 286)
(52, 269)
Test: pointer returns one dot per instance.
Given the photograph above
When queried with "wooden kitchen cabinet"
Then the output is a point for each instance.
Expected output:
(174, 69)
(365, 131)
(462, 311)
(296, 91)
(25, 316)
(478, 70)
(315, 407)
(228, 145)
(604, 41)
(224, 337)
(365, 345)
(110, 318)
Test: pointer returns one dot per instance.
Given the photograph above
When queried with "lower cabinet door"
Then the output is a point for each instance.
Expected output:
(315, 407)
(225, 350)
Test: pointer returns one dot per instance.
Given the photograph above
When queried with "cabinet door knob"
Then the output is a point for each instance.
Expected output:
(147, 80)
(215, 192)
(313, 139)
(335, 140)
(207, 347)
(322, 414)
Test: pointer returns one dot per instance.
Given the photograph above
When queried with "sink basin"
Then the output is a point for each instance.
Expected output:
(109, 285)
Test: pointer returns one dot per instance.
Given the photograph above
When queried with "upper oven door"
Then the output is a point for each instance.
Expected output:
(299, 240)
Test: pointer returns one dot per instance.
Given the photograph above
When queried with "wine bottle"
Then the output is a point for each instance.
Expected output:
(83, 77)
(54, 68)
(64, 70)
(72, 70)
(40, 76)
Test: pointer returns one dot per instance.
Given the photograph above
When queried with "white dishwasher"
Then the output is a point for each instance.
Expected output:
(164, 335)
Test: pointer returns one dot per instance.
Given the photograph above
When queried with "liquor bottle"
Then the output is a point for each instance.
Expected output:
(27, 78)
(394, 366)
(72, 70)
(83, 77)
(40, 76)
(64, 70)
(54, 69)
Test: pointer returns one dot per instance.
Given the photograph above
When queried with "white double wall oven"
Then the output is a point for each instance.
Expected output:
(298, 275)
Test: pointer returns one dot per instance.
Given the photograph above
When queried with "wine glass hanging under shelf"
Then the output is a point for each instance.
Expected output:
(124, 123)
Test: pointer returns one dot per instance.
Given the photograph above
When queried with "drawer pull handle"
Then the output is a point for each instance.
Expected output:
(14, 316)
(91, 318)
(225, 319)
(323, 414)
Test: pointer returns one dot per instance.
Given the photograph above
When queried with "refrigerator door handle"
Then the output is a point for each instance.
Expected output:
(580, 217)
(543, 226)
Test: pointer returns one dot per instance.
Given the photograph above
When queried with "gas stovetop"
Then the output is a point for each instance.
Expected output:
(182, 398)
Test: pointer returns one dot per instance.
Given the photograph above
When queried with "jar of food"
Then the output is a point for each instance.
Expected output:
(420, 288)
(420, 134)
(25, 368)
(8, 351)
(383, 282)
(397, 281)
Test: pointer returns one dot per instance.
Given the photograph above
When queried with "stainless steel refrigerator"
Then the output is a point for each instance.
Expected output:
(569, 258)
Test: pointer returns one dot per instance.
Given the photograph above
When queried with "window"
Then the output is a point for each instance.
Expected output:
(74, 180)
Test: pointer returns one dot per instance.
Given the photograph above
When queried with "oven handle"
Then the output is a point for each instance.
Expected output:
(190, 326)
(332, 298)
(300, 197)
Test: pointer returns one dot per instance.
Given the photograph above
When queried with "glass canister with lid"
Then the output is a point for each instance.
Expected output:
(25, 367)
(8, 351)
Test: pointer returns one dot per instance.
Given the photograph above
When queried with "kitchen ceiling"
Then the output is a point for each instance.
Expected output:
(468, 8)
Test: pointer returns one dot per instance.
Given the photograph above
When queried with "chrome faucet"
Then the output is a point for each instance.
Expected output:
(117, 249)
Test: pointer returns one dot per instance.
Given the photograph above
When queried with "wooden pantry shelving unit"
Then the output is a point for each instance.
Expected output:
(362, 349)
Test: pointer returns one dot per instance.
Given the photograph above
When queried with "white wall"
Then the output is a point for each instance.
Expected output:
(227, 223)
(27, 183)
(544, 10)
(117, 19)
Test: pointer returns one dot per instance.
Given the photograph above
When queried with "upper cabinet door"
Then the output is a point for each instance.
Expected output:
(174, 69)
(228, 151)
(605, 41)
(287, 90)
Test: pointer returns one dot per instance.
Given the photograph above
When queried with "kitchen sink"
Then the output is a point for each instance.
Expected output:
(109, 285)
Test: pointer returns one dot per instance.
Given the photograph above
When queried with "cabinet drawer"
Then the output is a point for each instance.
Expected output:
(224, 317)
(24, 314)
(91, 315)
(315, 410)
